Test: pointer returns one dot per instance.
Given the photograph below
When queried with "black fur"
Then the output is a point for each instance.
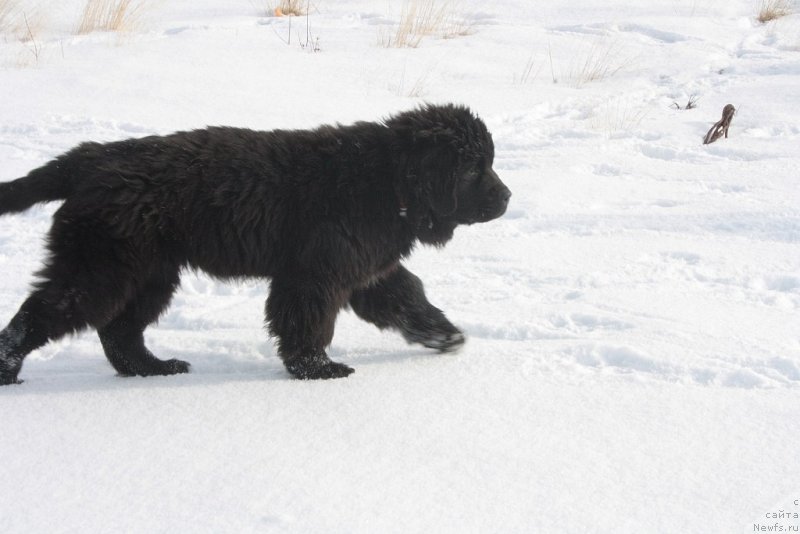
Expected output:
(326, 214)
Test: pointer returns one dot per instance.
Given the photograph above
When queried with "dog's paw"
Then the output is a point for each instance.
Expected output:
(449, 339)
(8, 380)
(159, 368)
(318, 369)
(176, 367)
(445, 342)
(451, 342)
(9, 369)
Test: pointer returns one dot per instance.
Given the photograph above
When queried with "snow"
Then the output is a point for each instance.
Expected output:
(633, 321)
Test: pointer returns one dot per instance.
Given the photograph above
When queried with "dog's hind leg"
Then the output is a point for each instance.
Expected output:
(89, 280)
(123, 337)
(71, 295)
(398, 301)
(22, 335)
(59, 306)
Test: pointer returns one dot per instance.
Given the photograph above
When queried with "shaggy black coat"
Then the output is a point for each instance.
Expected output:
(325, 214)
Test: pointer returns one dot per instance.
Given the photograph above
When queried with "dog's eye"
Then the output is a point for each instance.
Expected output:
(472, 175)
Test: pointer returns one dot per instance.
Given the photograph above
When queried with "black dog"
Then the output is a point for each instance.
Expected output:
(326, 214)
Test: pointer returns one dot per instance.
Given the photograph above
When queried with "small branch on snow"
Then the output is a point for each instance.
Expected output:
(691, 104)
(721, 127)
(35, 49)
(311, 43)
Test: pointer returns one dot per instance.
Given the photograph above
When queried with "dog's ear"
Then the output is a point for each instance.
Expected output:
(435, 150)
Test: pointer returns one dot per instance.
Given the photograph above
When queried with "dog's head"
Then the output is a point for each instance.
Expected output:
(444, 156)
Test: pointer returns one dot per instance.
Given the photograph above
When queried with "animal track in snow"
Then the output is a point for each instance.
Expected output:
(788, 369)
(665, 203)
(620, 357)
(743, 378)
(510, 332)
(578, 322)
(607, 29)
(667, 153)
(782, 283)
(684, 257)
(605, 169)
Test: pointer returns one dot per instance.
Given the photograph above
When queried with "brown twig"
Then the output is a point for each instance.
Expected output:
(691, 104)
(35, 49)
(721, 127)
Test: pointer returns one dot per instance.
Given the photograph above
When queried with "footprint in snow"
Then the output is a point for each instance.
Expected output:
(782, 283)
(786, 368)
(665, 203)
(578, 322)
(683, 257)
(622, 358)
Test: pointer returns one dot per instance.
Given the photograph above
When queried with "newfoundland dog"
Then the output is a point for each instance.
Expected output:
(327, 215)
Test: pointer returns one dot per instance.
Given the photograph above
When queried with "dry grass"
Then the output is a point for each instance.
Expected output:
(457, 26)
(111, 16)
(691, 8)
(770, 10)
(529, 73)
(413, 88)
(617, 116)
(602, 60)
(288, 8)
(422, 18)
(23, 26)
(8, 15)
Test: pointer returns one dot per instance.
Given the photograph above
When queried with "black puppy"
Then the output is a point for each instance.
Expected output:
(326, 214)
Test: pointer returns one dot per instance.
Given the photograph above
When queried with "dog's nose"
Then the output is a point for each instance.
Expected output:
(503, 194)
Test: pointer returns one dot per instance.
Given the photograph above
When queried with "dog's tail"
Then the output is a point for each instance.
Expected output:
(47, 183)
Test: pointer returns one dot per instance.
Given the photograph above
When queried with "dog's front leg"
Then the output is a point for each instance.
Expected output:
(398, 301)
(301, 314)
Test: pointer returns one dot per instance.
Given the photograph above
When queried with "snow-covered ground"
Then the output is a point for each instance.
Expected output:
(633, 361)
